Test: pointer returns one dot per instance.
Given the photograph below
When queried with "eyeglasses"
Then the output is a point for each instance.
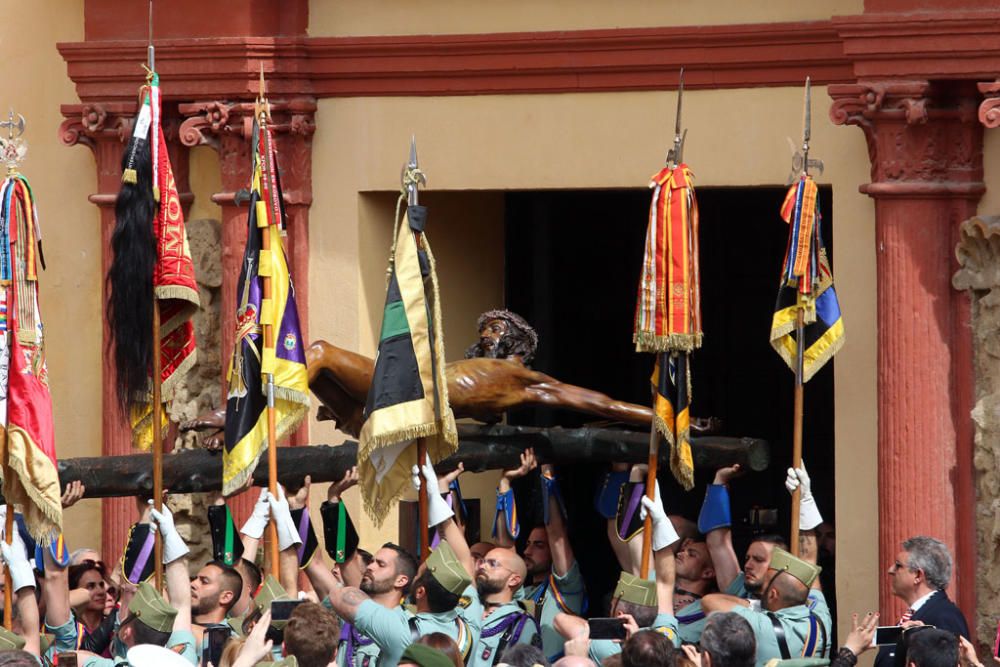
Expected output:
(494, 564)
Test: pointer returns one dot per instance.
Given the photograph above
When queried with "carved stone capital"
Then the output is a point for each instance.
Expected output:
(923, 138)
(977, 253)
(89, 123)
(989, 110)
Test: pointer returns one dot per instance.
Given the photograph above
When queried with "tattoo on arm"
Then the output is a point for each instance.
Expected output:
(352, 597)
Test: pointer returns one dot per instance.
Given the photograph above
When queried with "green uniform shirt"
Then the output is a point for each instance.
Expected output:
(391, 631)
(798, 630)
(484, 653)
(691, 618)
(181, 641)
(665, 624)
(364, 655)
(565, 594)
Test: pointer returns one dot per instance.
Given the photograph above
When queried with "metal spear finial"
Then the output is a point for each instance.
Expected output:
(676, 154)
(150, 50)
(801, 162)
(411, 177)
(12, 148)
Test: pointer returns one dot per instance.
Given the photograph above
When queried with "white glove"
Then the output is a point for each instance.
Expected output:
(288, 534)
(663, 530)
(17, 562)
(173, 545)
(809, 516)
(438, 510)
(255, 525)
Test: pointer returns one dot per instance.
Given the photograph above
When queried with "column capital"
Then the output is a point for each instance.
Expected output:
(923, 137)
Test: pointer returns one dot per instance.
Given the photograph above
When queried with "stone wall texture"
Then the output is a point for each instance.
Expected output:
(978, 254)
(202, 388)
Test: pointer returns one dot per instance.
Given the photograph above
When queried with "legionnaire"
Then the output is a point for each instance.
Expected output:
(645, 604)
(785, 626)
(749, 582)
(145, 617)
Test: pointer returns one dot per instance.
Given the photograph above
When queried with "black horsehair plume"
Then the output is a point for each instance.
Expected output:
(130, 278)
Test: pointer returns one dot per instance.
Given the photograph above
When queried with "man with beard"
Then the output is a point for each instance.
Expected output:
(214, 591)
(441, 582)
(386, 581)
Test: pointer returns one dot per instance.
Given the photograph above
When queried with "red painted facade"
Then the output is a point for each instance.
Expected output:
(905, 72)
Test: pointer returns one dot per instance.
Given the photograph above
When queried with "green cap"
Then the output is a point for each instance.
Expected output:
(287, 661)
(9, 641)
(149, 607)
(783, 561)
(425, 656)
(797, 662)
(235, 624)
(270, 591)
(636, 590)
(444, 566)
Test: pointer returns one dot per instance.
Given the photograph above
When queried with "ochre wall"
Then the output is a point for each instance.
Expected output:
(601, 140)
(398, 17)
(34, 83)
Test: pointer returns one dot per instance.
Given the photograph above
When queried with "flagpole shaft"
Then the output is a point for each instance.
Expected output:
(8, 588)
(157, 442)
(797, 423)
(647, 526)
(425, 547)
(272, 445)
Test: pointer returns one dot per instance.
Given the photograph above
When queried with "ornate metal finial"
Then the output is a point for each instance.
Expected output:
(676, 153)
(411, 178)
(12, 147)
(262, 107)
(801, 162)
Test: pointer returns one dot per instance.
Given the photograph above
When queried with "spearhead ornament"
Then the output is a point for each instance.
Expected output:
(801, 162)
(676, 154)
(411, 178)
(12, 148)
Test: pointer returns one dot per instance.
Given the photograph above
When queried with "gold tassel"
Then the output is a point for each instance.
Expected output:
(156, 193)
(129, 176)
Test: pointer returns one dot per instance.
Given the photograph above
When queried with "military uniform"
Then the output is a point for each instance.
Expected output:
(147, 607)
(508, 624)
(393, 630)
(799, 631)
(564, 594)
(638, 591)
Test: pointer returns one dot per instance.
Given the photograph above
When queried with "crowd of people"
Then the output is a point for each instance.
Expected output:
(478, 604)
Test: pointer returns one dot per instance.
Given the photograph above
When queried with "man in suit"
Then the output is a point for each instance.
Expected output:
(919, 576)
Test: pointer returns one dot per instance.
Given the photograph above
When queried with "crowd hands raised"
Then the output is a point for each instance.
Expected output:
(479, 605)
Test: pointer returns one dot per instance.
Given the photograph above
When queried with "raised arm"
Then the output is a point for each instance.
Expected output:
(288, 540)
(503, 534)
(608, 506)
(55, 592)
(442, 516)
(23, 580)
(809, 514)
(176, 578)
(253, 529)
(559, 546)
(664, 535)
(715, 522)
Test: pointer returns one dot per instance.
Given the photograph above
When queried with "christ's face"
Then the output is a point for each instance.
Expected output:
(490, 336)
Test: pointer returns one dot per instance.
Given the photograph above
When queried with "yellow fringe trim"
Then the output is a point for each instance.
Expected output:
(646, 341)
(52, 511)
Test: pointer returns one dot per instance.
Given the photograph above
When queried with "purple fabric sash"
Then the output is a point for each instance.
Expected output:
(143, 558)
(633, 504)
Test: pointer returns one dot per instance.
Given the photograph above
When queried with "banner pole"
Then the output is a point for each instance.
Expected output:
(647, 526)
(797, 423)
(157, 442)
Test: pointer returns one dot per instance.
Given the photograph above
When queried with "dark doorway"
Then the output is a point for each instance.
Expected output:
(572, 265)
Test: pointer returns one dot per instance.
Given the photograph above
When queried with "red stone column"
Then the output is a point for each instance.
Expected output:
(104, 128)
(927, 176)
(227, 128)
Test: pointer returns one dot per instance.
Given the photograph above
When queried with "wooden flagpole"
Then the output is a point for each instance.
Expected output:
(412, 199)
(157, 415)
(263, 116)
(800, 348)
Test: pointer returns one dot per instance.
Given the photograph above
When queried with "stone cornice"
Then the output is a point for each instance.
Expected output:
(775, 54)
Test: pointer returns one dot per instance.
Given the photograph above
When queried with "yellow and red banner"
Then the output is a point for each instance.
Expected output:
(30, 477)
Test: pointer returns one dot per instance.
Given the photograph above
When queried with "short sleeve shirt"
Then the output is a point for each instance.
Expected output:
(800, 631)
(566, 594)
(691, 618)
(508, 618)
(181, 641)
(367, 651)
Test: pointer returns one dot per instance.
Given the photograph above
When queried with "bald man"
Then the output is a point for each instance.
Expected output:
(505, 622)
